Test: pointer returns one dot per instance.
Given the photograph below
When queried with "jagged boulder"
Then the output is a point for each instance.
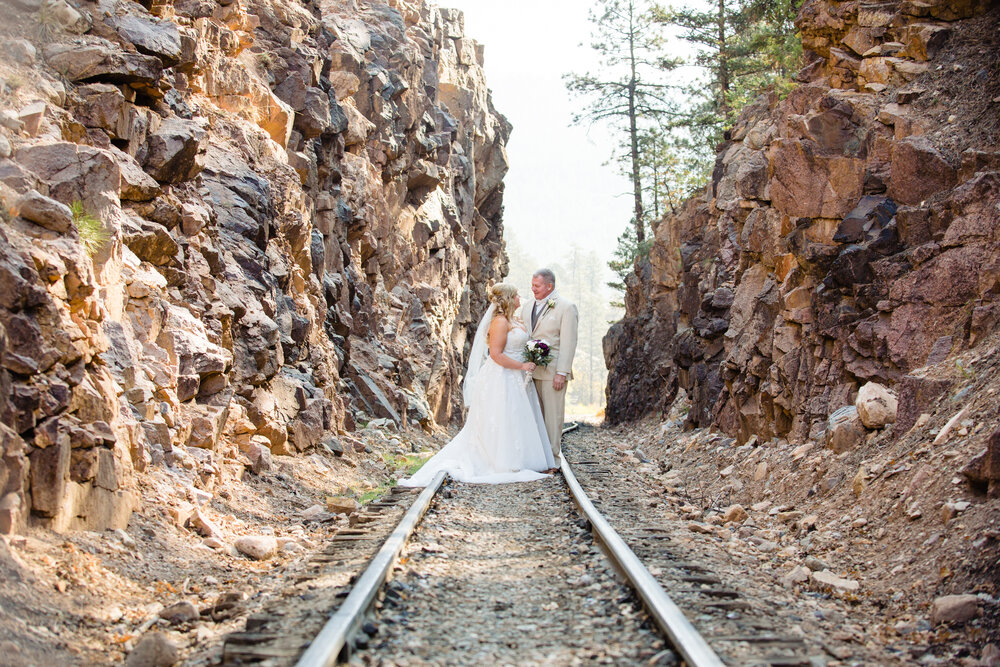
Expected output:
(100, 63)
(149, 241)
(919, 170)
(954, 608)
(316, 111)
(807, 184)
(136, 184)
(14, 480)
(186, 340)
(872, 214)
(916, 394)
(44, 211)
(844, 429)
(74, 172)
(175, 151)
(151, 37)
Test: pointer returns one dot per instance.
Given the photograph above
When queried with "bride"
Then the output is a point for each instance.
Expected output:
(504, 437)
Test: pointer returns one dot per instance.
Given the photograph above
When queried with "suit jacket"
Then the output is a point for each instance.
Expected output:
(557, 327)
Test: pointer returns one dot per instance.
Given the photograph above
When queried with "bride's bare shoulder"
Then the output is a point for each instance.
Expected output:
(500, 323)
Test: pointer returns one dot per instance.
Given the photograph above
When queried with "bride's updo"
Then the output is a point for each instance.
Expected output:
(503, 296)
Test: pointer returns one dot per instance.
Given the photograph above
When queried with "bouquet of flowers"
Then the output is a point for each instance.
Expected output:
(539, 353)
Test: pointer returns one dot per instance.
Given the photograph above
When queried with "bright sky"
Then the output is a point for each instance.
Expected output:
(558, 189)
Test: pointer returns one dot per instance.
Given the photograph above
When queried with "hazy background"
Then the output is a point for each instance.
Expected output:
(558, 188)
(564, 206)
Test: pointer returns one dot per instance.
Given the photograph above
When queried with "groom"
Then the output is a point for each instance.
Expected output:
(552, 319)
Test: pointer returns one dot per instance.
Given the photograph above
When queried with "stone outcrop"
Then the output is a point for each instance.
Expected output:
(848, 235)
(232, 229)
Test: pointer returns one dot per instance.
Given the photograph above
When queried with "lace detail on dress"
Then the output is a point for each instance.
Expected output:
(516, 340)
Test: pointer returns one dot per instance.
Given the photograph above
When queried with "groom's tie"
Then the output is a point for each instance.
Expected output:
(534, 316)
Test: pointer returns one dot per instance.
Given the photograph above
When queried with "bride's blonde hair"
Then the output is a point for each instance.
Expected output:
(503, 295)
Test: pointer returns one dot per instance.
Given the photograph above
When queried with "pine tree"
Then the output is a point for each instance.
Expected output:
(769, 50)
(670, 170)
(745, 47)
(711, 31)
(630, 91)
(622, 264)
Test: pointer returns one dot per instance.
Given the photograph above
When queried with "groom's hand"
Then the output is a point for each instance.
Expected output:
(559, 382)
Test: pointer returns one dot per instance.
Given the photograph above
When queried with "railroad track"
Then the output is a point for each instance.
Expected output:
(397, 620)
(734, 599)
(279, 632)
(740, 631)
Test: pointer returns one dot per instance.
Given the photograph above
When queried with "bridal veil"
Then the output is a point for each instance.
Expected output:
(478, 355)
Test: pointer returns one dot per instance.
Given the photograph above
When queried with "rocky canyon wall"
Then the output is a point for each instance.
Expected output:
(851, 232)
(231, 228)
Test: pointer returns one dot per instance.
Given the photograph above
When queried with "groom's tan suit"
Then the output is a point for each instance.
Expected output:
(556, 325)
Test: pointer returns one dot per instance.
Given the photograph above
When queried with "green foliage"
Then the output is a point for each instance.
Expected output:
(93, 236)
(407, 464)
(668, 130)
(628, 250)
(404, 465)
(768, 50)
(631, 91)
(12, 84)
(633, 64)
(744, 47)
(671, 170)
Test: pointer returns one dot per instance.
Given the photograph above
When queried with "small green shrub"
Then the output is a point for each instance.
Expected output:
(93, 236)
(374, 494)
(404, 465)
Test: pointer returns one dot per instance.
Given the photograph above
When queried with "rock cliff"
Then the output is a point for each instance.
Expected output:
(231, 228)
(849, 234)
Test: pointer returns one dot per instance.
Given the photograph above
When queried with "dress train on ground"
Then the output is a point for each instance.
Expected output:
(504, 438)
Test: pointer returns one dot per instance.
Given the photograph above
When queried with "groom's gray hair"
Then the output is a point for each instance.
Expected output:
(546, 275)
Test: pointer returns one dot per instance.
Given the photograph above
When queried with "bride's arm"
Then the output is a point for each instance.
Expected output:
(498, 340)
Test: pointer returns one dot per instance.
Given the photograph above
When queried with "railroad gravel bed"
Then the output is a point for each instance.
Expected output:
(289, 618)
(728, 588)
(506, 574)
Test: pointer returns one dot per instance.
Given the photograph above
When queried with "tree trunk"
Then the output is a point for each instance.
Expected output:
(723, 62)
(640, 233)
(656, 191)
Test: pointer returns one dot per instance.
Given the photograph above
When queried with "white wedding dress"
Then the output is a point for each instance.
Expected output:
(504, 438)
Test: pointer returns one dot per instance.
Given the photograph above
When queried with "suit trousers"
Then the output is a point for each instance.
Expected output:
(553, 411)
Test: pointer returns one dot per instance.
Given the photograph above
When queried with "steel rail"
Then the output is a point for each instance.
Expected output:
(325, 649)
(691, 645)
